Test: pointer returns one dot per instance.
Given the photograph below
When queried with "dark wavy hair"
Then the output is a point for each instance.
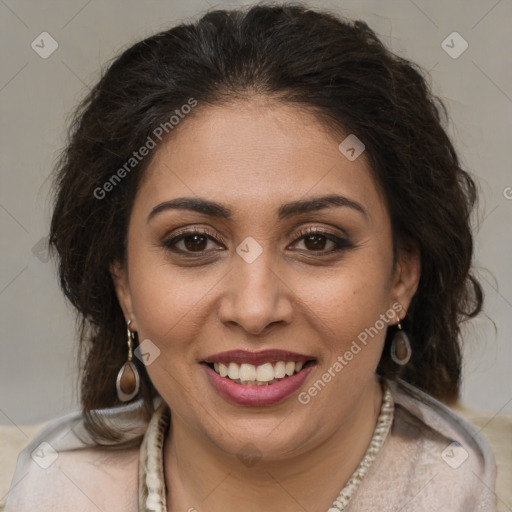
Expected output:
(337, 68)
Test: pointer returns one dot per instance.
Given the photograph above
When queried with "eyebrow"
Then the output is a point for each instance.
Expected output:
(285, 211)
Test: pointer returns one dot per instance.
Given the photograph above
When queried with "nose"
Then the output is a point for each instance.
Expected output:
(256, 298)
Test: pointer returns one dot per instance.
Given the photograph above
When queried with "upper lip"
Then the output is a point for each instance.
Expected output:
(256, 358)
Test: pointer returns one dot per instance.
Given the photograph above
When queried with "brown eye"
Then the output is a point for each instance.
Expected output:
(192, 241)
(315, 240)
(195, 242)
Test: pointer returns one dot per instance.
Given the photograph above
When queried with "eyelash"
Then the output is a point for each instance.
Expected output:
(340, 243)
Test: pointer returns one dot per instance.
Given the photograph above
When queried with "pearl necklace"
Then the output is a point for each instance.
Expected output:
(151, 475)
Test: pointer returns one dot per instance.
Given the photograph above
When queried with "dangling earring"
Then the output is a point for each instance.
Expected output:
(400, 346)
(128, 380)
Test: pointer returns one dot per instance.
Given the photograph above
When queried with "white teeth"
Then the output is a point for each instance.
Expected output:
(280, 370)
(223, 370)
(263, 374)
(233, 371)
(247, 372)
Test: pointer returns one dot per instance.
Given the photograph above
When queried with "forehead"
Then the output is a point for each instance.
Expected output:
(256, 154)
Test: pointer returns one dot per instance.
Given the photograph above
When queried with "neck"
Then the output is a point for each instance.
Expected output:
(200, 476)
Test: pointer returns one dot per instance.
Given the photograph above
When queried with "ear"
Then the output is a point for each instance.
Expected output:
(119, 275)
(406, 278)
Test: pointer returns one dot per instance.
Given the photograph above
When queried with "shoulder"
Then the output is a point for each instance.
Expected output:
(452, 461)
(439, 418)
(62, 468)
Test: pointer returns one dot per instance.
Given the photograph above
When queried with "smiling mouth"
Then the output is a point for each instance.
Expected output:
(264, 374)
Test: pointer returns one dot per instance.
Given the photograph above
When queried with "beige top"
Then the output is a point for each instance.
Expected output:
(431, 460)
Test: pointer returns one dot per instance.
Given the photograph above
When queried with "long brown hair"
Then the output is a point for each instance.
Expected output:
(341, 70)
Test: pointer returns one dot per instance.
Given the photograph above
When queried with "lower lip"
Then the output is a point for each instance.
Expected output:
(256, 395)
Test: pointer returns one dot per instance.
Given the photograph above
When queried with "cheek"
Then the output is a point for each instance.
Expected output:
(164, 300)
(351, 296)
(166, 306)
(347, 307)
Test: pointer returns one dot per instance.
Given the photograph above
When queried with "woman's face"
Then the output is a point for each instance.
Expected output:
(252, 279)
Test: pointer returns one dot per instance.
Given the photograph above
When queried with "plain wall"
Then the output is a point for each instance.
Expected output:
(38, 348)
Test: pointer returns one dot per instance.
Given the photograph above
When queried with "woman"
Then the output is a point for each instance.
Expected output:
(265, 231)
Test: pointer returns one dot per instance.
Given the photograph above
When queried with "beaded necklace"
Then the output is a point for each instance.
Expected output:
(151, 476)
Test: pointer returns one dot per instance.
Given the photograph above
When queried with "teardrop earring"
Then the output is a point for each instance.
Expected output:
(401, 346)
(128, 380)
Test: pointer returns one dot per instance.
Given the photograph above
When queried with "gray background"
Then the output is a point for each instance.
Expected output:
(37, 358)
